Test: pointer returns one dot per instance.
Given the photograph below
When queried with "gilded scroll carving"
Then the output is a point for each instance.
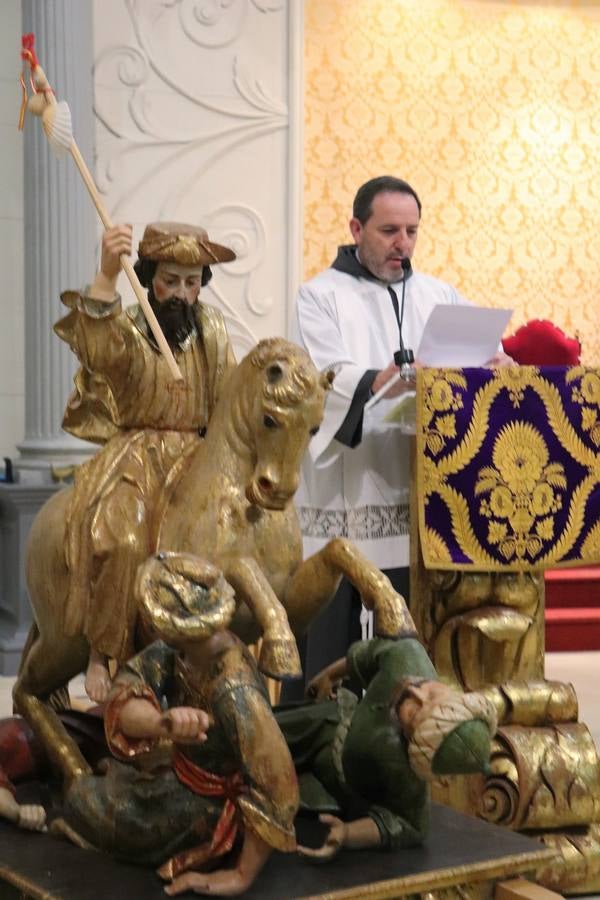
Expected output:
(485, 627)
(577, 867)
(533, 702)
(542, 778)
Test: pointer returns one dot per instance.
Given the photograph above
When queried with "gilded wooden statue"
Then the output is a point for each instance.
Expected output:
(204, 778)
(126, 400)
(225, 494)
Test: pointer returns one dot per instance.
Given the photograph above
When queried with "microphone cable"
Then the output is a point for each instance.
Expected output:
(402, 355)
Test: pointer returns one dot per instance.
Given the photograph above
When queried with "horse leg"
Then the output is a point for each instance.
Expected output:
(316, 580)
(44, 668)
(279, 655)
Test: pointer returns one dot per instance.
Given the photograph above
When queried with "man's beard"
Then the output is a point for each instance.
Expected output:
(176, 319)
(376, 268)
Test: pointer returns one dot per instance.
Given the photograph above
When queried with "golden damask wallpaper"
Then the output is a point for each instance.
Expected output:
(491, 110)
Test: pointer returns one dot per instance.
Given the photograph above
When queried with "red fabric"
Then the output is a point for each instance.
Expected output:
(540, 343)
(20, 756)
(120, 745)
(206, 784)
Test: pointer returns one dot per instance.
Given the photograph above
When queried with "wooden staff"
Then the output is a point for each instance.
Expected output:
(56, 120)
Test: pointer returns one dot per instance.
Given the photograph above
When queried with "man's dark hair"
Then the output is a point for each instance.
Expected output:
(363, 202)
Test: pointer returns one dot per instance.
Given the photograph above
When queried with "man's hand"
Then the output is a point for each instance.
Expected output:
(500, 359)
(360, 834)
(31, 817)
(382, 378)
(186, 724)
(324, 686)
(222, 883)
(399, 387)
(335, 840)
(115, 242)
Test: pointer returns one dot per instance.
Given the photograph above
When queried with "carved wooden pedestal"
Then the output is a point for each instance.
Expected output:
(506, 482)
(485, 631)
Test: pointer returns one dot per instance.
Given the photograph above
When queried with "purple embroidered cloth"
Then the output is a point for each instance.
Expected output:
(508, 467)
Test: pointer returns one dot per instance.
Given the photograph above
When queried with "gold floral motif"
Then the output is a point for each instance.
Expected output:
(523, 492)
(587, 394)
(515, 379)
(440, 403)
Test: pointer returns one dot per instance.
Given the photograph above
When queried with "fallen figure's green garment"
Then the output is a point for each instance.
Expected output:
(351, 756)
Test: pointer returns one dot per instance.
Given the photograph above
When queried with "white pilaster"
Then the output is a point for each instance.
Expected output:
(59, 231)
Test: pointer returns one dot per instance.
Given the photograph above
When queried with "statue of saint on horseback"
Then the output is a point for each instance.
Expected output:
(208, 466)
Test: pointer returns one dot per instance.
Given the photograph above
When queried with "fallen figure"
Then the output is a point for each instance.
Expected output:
(365, 764)
(199, 772)
(225, 793)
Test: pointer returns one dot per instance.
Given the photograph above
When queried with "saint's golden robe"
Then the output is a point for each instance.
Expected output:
(126, 399)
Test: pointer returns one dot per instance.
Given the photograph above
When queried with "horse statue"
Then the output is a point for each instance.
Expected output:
(231, 506)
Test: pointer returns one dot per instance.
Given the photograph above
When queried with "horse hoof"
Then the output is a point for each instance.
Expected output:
(279, 658)
(392, 619)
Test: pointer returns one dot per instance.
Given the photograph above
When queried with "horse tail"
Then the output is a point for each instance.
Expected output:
(32, 636)
(59, 699)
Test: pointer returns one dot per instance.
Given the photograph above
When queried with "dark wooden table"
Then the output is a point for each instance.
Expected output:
(459, 850)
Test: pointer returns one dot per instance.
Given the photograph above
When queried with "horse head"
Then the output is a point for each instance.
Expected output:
(286, 399)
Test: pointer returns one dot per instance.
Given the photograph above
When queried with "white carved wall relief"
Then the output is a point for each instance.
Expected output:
(191, 103)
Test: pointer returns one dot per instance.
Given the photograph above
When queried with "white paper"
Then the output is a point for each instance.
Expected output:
(462, 336)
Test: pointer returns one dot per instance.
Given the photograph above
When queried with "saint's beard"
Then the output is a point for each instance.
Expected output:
(175, 317)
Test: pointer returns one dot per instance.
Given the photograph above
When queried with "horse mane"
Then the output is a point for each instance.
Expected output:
(291, 374)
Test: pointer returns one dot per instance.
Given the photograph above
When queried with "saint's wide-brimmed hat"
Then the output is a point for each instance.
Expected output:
(187, 245)
(184, 597)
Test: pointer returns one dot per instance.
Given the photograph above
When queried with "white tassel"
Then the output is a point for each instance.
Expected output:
(57, 125)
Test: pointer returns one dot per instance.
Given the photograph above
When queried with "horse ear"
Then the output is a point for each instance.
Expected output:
(327, 379)
(274, 373)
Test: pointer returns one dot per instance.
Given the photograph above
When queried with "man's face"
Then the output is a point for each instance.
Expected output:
(174, 282)
(418, 700)
(388, 236)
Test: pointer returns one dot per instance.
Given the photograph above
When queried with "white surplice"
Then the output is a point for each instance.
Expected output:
(348, 323)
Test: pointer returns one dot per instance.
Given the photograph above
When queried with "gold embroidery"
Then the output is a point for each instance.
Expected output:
(437, 546)
(587, 394)
(522, 486)
(440, 404)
